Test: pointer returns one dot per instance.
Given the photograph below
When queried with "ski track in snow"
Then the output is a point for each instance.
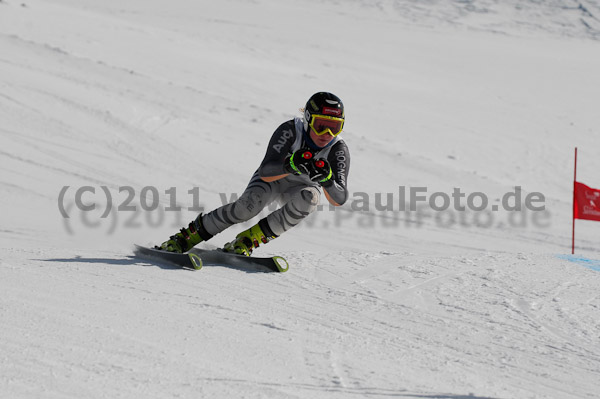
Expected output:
(475, 94)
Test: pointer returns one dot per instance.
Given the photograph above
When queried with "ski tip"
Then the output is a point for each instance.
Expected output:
(281, 263)
(139, 249)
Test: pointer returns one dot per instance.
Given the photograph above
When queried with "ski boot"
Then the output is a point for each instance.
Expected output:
(186, 238)
(247, 240)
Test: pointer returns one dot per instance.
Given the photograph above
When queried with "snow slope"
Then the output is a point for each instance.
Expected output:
(477, 95)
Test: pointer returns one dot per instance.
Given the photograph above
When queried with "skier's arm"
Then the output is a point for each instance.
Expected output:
(272, 166)
(335, 189)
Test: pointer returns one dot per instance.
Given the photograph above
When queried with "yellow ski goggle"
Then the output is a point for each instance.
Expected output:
(322, 124)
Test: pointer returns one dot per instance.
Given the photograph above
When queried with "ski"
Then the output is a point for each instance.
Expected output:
(219, 257)
(187, 260)
(196, 258)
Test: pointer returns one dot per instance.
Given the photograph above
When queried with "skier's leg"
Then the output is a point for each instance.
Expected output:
(299, 202)
(257, 195)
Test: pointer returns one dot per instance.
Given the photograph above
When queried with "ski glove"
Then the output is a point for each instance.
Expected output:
(303, 162)
(322, 172)
(299, 162)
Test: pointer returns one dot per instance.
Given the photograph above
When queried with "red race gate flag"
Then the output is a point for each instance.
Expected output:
(586, 204)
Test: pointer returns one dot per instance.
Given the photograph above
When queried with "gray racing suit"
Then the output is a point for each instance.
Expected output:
(297, 195)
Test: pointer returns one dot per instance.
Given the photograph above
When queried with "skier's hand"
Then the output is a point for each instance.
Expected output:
(299, 162)
(303, 162)
(321, 172)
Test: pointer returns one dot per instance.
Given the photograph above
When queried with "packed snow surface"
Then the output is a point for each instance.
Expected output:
(139, 107)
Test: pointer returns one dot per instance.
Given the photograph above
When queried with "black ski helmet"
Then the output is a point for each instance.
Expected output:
(323, 103)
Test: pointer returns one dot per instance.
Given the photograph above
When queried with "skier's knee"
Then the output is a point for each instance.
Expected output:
(309, 199)
(249, 205)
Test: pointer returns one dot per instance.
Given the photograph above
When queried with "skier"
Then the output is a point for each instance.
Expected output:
(303, 155)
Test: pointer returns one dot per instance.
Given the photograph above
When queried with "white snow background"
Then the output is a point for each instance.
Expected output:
(477, 95)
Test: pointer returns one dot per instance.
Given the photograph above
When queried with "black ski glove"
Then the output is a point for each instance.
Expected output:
(322, 172)
(303, 162)
(299, 162)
